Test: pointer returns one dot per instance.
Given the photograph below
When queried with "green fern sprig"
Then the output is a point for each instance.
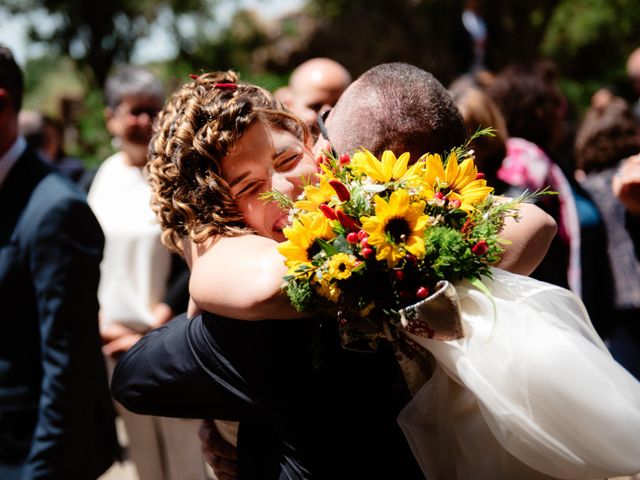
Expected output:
(284, 202)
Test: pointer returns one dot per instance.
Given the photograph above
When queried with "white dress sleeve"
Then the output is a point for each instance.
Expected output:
(530, 392)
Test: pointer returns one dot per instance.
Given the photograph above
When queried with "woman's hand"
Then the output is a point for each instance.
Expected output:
(626, 184)
(162, 313)
(114, 331)
(121, 344)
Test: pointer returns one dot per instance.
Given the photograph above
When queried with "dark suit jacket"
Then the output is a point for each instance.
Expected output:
(297, 421)
(56, 417)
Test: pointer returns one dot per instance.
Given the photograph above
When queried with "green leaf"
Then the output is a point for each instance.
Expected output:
(341, 245)
(284, 202)
(327, 247)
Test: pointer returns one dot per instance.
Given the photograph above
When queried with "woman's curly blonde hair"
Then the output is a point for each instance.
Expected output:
(200, 124)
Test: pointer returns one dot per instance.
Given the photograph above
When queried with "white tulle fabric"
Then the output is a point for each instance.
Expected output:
(530, 392)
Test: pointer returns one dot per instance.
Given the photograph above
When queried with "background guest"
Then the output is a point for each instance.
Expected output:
(45, 135)
(314, 86)
(56, 417)
(480, 112)
(607, 136)
(136, 270)
(534, 109)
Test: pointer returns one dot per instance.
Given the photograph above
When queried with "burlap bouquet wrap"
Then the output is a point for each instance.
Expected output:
(436, 317)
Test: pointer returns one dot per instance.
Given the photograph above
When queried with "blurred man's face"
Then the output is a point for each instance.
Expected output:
(311, 99)
(633, 70)
(132, 119)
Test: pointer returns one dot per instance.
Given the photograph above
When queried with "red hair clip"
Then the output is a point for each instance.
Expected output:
(231, 86)
(193, 76)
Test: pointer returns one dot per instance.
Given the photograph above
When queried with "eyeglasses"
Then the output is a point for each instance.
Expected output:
(151, 112)
(322, 116)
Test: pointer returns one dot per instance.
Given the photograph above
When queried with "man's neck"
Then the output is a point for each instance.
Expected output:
(10, 156)
(7, 140)
(134, 155)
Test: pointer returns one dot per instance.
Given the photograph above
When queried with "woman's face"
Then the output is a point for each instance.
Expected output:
(267, 158)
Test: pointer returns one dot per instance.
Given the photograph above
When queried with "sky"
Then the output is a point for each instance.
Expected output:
(156, 47)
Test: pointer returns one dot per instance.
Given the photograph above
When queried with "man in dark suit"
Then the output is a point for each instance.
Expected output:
(56, 417)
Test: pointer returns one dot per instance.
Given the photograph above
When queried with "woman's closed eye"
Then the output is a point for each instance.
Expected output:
(248, 188)
(289, 162)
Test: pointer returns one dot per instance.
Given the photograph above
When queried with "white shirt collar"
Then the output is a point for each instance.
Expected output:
(11, 156)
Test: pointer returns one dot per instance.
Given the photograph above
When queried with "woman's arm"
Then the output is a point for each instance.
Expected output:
(530, 238)
(240, 277)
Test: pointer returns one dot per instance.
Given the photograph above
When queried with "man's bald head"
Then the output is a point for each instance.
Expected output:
(399, 107)
(314, 85)
(633, 69)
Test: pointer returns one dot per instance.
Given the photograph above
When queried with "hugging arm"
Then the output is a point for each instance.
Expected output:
(529, 239)
(241, 277)
(156, 374)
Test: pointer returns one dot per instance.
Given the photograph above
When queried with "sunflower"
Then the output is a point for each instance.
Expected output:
(302, 245)
(316, 195)
(397, 228)
(384, 170)
(340, 266)
(456, 181)
(328, 290)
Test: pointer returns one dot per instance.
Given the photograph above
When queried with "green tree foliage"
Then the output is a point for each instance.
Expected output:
(589, 40)
(97, 34)
(427, 33)
(233, 47)
(592, 38)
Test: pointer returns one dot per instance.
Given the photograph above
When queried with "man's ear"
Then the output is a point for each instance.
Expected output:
(7, 110)
(109, 120)
(5, 100)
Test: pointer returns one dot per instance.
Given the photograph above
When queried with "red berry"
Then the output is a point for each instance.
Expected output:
(362, 234)
(352, 237)
(344, 159)
(364, 243)
(404, 295)
(439, 195)
(367, 252)
(422, 292)
(399, 274)
(479, 176)
(455, 203)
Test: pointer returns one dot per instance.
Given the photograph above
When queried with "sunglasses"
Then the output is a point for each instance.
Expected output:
(322, 117)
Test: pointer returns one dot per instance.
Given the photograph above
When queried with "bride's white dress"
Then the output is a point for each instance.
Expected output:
(530, 392)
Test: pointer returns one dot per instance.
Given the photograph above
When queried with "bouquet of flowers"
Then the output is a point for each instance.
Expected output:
(376, 235)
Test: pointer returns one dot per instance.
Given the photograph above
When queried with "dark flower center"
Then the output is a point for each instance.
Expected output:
(313, 250)
(397, 230)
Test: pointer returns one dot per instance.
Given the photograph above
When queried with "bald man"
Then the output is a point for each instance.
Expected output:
(315, 85)
(633, 72)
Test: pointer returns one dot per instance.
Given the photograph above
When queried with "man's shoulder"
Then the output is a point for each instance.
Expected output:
(54, 203)
(55, 191)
